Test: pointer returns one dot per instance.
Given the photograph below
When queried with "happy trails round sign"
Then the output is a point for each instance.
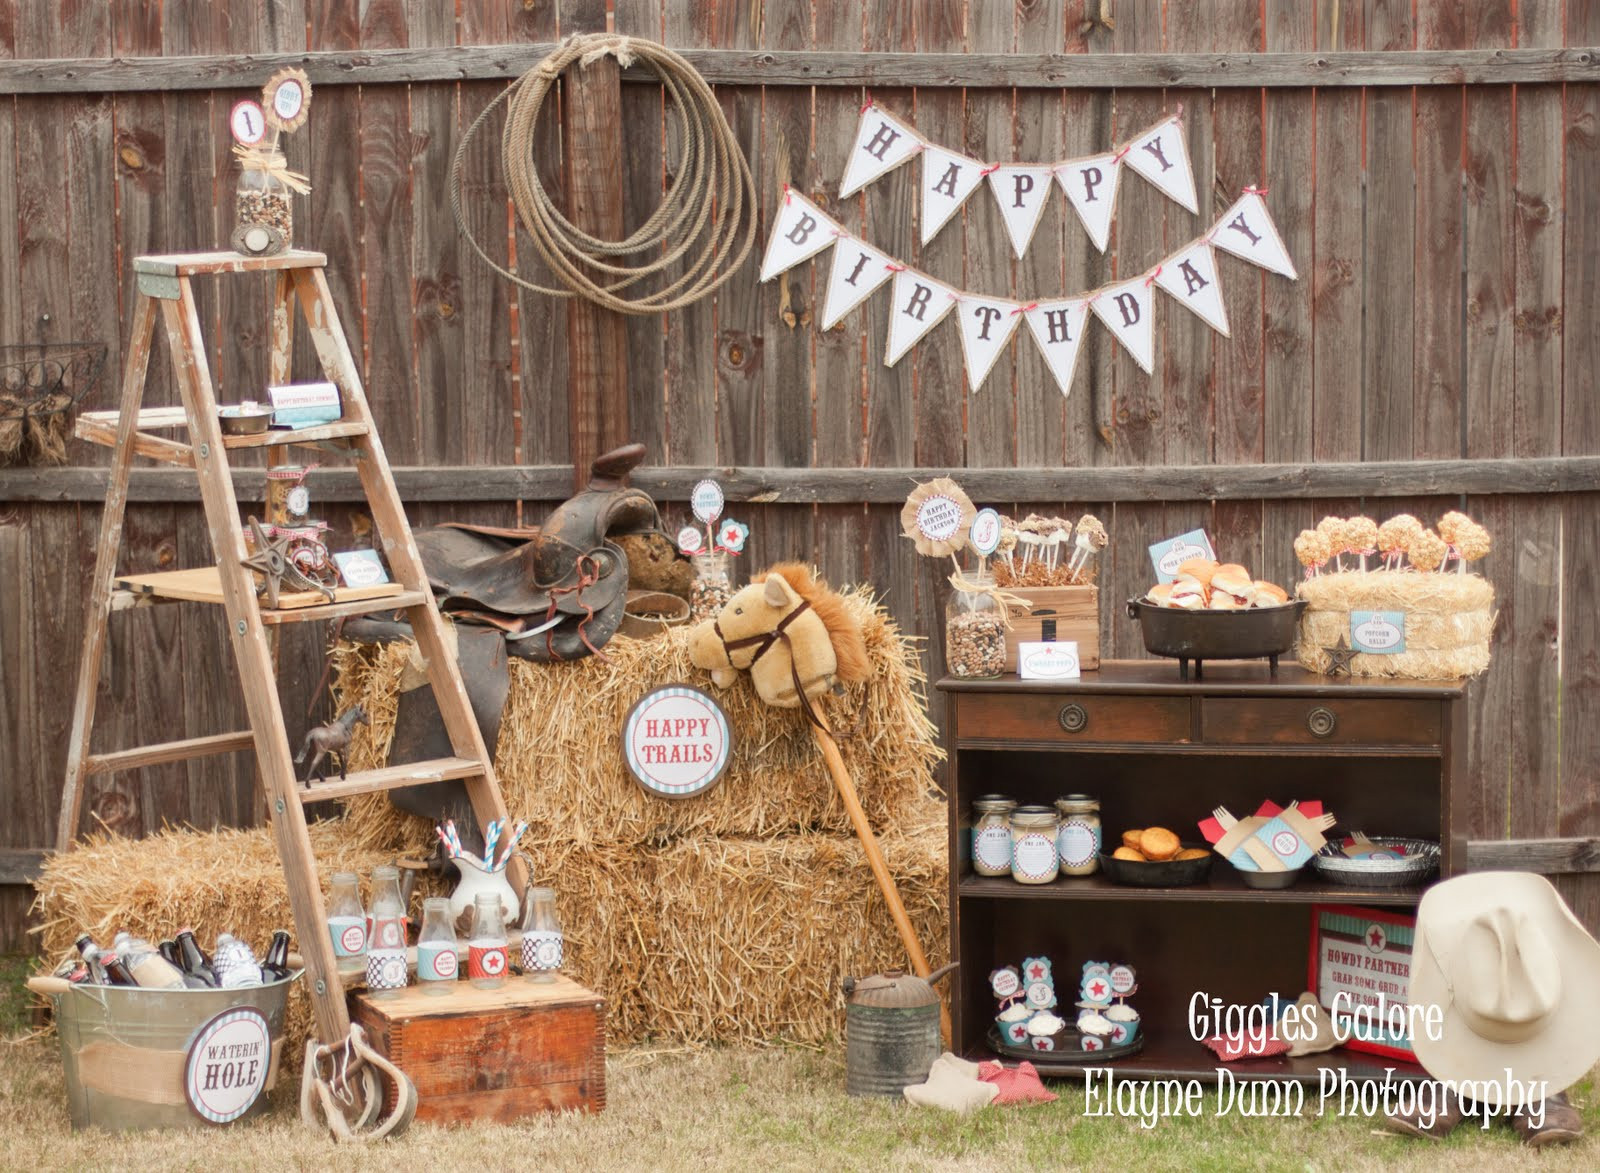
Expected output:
(677, 741)
(228, 1064)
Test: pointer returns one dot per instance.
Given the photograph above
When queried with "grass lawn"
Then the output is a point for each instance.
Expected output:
(772, 1109)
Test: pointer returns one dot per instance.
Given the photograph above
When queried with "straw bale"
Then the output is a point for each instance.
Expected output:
(707, 939)
(1449, 621)
(696, 940)
(211, 881)
(560, 761)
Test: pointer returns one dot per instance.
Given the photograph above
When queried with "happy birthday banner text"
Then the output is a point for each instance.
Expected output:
(920, 302)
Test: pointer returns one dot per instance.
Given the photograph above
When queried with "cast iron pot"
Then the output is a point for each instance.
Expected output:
(1217, 635)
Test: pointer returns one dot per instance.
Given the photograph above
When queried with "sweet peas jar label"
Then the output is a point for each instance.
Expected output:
(1077, 843)
(991, 848)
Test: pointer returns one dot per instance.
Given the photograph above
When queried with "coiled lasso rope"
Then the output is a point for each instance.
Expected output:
(706, 220)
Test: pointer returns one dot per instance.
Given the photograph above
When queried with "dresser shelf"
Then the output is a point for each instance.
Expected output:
(1156, 750)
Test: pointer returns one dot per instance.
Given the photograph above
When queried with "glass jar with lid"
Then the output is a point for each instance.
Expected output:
(974, 629)
(1078, 837)
(991, 834)
(712, 586)
(1033, 844)
(264, 216)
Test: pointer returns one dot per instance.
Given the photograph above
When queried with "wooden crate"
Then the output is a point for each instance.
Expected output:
(1056, 613)
(498, 1055)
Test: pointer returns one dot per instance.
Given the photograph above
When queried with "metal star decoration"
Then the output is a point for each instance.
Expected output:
(271, 560)
(1339, 657)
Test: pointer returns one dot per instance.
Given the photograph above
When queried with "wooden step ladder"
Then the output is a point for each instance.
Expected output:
(164, 289)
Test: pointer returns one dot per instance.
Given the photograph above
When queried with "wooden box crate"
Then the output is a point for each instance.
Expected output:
(500, 1055)
(1056, 613)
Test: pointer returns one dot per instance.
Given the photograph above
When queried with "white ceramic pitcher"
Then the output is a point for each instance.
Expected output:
(474, 879)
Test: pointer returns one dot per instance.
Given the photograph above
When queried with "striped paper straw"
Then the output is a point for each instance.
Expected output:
(511, 843)
(491, 836)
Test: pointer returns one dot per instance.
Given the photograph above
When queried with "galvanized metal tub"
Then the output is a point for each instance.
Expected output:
(127, 1054)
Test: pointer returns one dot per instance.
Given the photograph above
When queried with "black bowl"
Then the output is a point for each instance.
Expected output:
(1170, 873)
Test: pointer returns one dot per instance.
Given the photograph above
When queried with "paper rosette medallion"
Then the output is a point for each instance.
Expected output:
(938, 517)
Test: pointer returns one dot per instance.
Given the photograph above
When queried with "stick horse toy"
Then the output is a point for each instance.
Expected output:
(795, 638)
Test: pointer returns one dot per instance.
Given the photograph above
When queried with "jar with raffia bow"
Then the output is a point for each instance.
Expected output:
(263, 213)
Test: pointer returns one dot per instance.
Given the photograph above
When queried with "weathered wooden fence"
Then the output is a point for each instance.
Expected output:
(1434, 168)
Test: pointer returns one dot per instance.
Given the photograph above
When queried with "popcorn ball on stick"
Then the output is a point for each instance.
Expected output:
(1361, 538)
(1331, 530)
(1393, 536)
(1426, 550)
(1312, 550)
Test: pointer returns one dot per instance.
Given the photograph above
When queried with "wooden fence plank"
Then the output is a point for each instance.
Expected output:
(690, 344)
(1041, 134)
(1389, 292)
(339, 68)
(1494, 725)
(1438, 414)
(738, 341)
(835, 485)
(642, 165)
(891, 437)
(840, 354)
(513, 361)
(788, 304)
(1578, 797)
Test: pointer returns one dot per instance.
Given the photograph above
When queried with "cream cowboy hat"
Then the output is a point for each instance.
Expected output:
(1516, 976)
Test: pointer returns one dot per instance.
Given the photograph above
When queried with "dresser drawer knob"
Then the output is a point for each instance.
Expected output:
(1074, 718)
(1321, 722)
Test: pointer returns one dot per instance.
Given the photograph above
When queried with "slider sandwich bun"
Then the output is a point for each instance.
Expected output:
(1200, 569)
(1188, 594)
(1223, 601)
(1160, 594)
(1234, 579)
(1269, 594)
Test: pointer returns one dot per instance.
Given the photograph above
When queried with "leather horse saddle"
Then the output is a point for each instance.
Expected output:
(559, 591)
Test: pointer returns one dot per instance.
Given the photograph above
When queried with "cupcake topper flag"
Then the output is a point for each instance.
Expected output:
(706, 500)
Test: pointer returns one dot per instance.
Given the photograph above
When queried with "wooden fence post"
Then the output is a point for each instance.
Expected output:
(597, 341)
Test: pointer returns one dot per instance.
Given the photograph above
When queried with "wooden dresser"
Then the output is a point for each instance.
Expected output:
(1384, 756)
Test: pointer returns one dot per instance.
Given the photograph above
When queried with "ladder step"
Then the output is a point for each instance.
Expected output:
(361, 604)
(335, 431)
(102, 431)
(203, 584)
(390, 778)
(170, 751)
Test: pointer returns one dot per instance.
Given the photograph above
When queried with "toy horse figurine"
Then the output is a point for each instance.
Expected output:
(334, 738)
(790, 632)
(796, 639)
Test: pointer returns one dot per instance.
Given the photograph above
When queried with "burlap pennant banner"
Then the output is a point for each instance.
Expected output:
(987, 324)
(1159, 153)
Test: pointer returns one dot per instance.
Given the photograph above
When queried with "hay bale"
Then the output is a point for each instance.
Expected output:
(560, 758)
(698, 940)
(714, 940)
(1449, 620)
(211, 881)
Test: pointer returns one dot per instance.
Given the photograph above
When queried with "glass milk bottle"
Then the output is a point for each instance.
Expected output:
(437, 965)
(542, 945)
(347, 923)
(386, 944)
(486, 948)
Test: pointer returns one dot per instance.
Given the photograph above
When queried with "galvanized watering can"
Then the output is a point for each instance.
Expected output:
(891, 1031)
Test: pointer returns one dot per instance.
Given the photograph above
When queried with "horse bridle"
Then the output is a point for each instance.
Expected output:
(763, 644)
